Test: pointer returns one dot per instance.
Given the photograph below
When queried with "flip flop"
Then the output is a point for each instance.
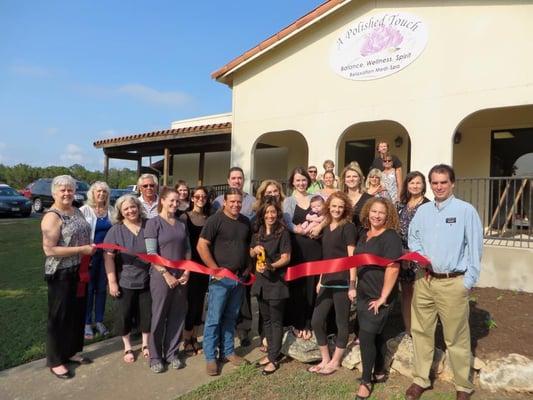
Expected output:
(315, 369)
(145, 351)
(129, 357)
(327, 371)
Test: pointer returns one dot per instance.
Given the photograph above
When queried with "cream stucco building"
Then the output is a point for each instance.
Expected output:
(462, 95)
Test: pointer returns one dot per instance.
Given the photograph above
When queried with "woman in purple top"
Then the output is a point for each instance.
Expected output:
(167, 236)
(127, 275)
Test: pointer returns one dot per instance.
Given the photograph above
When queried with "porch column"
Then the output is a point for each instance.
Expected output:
(201, 167)
(166, 165)
(106, 167)
(139, 166)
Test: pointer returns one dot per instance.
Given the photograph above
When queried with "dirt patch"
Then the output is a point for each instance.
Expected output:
(501, 323)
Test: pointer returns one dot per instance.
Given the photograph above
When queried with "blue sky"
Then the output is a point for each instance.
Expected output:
(72, 72)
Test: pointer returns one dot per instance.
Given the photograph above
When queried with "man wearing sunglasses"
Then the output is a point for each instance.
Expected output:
(147, 184)
(315, 186)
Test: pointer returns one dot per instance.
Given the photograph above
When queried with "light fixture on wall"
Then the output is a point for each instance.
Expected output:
(457, 137)
(398, 141)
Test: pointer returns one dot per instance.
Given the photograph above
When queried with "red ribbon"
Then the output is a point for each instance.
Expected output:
(84, 276)
(344, 263)
(302, 270)
(186, 265)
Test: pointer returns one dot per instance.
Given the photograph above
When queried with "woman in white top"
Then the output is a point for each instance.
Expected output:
(98, 213)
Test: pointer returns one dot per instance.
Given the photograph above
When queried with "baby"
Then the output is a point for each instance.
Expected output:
(315, 216)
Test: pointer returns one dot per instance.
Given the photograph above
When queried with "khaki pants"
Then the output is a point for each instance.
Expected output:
(448, 299)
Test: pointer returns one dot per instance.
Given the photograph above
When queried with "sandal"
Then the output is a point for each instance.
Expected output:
(188, 347)
(197, 346)
(129, 357)
(145, 351)
(314, 369)
(369, 387)
(380, 378)
(327, 371)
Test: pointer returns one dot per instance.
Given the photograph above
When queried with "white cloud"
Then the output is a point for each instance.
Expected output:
(72, 154)
(33, 71)
(154, 96)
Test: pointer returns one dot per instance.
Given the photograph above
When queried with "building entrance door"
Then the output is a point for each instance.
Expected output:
(362, 151)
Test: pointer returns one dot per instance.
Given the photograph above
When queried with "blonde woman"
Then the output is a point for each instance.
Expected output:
(98, 214)
(268, 187)
(353, 184)
(374, 185)
(131, 287)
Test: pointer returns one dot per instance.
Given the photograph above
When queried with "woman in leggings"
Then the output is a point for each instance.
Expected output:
(336, 289)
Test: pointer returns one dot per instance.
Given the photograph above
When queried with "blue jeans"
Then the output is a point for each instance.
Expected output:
(96, 291)
(224, 303)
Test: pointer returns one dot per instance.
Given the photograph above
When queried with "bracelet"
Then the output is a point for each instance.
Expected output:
(352, 284)
(163, 271)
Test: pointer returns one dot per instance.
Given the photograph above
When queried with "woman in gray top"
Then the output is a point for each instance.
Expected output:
(66, 237)
(127, 275)
(167, 236)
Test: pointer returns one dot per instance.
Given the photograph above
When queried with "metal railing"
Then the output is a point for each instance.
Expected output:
(505, 206)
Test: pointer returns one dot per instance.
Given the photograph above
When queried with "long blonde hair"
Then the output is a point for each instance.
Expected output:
(353, 166)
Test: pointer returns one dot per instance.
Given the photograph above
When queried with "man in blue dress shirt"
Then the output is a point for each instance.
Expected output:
(448, 232)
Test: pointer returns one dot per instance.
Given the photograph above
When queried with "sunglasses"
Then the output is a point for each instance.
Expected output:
(387, 160)
(312, 171)
(148, 185)
(199, 197)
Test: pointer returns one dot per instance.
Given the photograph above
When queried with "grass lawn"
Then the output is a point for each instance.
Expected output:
(23, 292)
(293, 381)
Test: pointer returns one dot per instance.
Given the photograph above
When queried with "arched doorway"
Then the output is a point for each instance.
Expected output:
(275, 154)
(358, 143)
(493, 160)
(490, 142)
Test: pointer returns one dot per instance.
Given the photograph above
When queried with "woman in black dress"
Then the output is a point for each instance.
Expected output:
(413, 190)
(337, 289)
(197, 287)
(376, 287)
(303, 291)
(272, 239)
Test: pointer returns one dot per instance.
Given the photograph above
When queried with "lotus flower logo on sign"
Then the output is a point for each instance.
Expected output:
(378, 45)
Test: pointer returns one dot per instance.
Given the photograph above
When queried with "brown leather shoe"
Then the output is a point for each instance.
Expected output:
(236, 360)
(211, 367)
(414, 392)
(463, 395)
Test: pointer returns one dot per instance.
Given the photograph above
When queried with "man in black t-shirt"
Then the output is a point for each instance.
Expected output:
(224, 242)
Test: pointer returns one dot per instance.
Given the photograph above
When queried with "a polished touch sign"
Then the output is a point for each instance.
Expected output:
(378, 45)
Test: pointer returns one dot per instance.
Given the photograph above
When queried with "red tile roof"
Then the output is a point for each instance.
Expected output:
(300, 23)
(168, 133)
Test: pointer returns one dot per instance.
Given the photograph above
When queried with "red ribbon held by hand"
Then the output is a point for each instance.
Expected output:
(186, 265)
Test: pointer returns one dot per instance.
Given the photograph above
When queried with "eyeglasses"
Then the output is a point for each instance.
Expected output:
(199, 197)
(148, 185)
(312, 171)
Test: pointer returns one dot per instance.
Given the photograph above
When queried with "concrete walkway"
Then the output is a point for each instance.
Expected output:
(109, 377)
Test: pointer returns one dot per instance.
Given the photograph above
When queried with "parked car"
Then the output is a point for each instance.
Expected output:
(26, 192)
(132, 188)
(116, 193)
(41, 194)
(13, 203)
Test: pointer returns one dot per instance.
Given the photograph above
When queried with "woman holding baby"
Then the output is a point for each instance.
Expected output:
(304, 248)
